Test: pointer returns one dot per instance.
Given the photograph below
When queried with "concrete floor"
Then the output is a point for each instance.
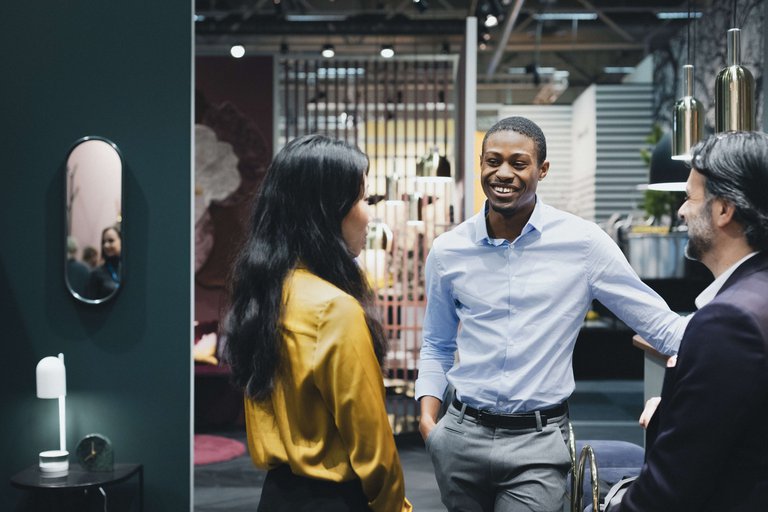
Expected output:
(599, 410)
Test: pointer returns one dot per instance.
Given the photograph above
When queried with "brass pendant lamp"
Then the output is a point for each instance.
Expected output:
(688, 112)
(734, 89)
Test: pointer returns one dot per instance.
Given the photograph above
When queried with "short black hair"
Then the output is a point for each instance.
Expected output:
(735, 165)
(523, 126)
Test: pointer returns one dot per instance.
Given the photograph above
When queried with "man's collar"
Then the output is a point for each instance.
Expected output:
(480, 232)
(709, 293)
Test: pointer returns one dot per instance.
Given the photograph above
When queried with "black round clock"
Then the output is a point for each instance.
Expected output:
(94, 453)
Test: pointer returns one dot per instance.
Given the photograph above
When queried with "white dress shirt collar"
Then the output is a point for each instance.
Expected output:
(706, 296)
(481, 236)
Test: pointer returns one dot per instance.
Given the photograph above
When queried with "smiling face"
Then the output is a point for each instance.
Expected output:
(510, 172)
(110, 243)
(354, 225)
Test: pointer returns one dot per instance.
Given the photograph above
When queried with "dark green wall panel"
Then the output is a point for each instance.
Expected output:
(122, 71)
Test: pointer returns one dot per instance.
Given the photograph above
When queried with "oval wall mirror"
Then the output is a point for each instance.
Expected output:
(93, 269)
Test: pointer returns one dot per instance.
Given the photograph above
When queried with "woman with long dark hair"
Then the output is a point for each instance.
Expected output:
(303, 339)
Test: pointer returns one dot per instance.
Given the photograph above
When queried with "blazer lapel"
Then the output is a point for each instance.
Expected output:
(754, 264)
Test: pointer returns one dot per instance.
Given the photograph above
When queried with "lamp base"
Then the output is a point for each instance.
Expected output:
(54, 463)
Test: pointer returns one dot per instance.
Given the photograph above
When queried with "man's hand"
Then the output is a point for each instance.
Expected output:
(650, 408)
(430, 407)
(653, 403)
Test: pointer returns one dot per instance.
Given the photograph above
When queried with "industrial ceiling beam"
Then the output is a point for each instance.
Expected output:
(509, 23)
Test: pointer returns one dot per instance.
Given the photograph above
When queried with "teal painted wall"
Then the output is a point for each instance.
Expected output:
(122, 71)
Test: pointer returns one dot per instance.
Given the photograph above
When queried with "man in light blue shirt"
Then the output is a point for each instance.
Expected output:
(507, 293)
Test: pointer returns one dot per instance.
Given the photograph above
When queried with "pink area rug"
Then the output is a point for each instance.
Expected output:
(210, 449)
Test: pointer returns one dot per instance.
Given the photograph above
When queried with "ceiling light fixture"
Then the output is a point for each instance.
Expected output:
(688, 112)
(421, 5)
(491, 21)
(565, 16)
(666, 174)
(387, 51)
(677, 15)
(237, 51)
(309, 18)
(328, 51)
(734, 88)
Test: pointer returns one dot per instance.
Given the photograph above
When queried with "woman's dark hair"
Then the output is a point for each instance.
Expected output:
(114, 228)
(735, 165)
(309, 188)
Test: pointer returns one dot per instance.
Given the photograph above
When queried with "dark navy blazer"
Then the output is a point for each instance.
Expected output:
(710, 451)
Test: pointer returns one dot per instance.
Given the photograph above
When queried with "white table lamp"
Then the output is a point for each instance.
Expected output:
(52, 383)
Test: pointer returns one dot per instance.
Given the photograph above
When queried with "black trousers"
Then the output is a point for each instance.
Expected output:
(285, 492)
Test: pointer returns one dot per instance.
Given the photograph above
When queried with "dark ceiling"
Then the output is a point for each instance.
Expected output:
(522, 54)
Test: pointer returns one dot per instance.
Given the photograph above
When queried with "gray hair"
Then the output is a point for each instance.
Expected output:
(736, 167)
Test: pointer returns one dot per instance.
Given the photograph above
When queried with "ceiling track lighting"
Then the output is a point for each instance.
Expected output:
(328, 51)
(490, 12)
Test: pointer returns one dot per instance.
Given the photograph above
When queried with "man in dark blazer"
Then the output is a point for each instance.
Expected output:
(710, 451)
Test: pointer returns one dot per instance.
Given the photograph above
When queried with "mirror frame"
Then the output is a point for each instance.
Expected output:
(67, 213)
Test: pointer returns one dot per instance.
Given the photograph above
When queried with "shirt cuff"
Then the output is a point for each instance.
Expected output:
(432, 384)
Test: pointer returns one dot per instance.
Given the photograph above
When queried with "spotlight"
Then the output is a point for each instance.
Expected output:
(387, 51)
(328, 51)
(421, 5)
(490, 12)
(237, 51)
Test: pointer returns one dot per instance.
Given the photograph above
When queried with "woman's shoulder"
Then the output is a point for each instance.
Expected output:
(313, 292)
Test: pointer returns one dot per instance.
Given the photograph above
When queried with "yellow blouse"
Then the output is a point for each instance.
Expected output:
(326, 417)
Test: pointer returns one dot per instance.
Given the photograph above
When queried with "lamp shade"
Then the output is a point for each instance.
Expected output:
(51, 377)
(734, 91)
(433, 166)
(687, 119)
(666, 173)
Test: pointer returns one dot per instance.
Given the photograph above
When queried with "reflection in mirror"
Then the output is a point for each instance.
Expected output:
(94, 243)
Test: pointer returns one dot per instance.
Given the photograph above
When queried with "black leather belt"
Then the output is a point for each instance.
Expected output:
(521, 420)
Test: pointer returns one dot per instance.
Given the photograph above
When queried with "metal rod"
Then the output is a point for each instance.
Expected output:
(512, 15)
(336, 102)
(296, 97)
(306, 96)
(286, 99)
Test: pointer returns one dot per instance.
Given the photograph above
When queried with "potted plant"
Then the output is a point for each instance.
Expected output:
(656, 248)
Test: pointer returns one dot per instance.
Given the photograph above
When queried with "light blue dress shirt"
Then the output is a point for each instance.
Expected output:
(513, 310)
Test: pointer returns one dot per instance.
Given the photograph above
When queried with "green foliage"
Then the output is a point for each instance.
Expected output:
(656, 203)
(652, 139)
